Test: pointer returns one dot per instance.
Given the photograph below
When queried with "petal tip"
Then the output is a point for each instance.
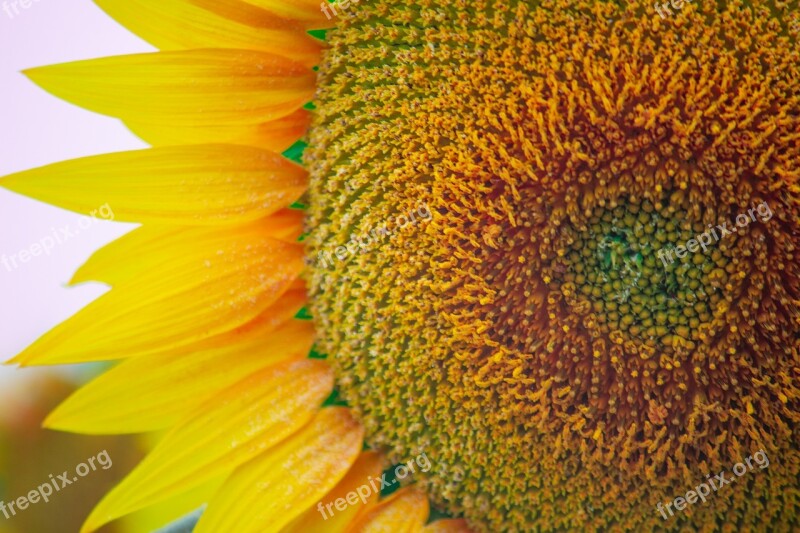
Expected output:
(54, 420)
(18, 360)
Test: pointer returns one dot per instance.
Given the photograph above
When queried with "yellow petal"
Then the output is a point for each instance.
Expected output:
(186, 24)
(153, 247)
(238, 424)
(201, 184)
(404, 512)
(307, 12)
(187, 88)
(157, 516)
(132, 398)
(453, 525)
(267, 493)
(285, 225)
(366, 469)
(275, 135)
(215, 281)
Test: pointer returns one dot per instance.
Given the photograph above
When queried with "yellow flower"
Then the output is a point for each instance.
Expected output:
(492, 189)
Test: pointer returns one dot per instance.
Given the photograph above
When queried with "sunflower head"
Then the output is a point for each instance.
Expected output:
(551, 245)
(540, 335)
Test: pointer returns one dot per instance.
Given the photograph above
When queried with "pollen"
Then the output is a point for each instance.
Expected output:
(549, 336)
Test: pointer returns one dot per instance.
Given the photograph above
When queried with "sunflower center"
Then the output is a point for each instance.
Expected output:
(562, 330)
(624, 266)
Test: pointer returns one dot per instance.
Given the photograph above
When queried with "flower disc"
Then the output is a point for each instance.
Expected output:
(507, 204)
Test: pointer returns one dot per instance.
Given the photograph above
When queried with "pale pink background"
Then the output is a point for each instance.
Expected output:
(36, 129)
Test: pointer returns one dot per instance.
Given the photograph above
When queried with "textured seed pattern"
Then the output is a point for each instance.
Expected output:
(527, 337)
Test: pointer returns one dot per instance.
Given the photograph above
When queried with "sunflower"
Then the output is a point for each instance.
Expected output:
(521, 325)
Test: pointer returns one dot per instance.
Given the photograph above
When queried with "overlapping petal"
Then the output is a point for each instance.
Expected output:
(275, 135)
(404, 512)
(154, 247)
(186, 24)
(200, 184)
(202, 87)
(267, 493)
(307, 12)
(231, 428)
(215, 280)
(133, 398)
(325, 516)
